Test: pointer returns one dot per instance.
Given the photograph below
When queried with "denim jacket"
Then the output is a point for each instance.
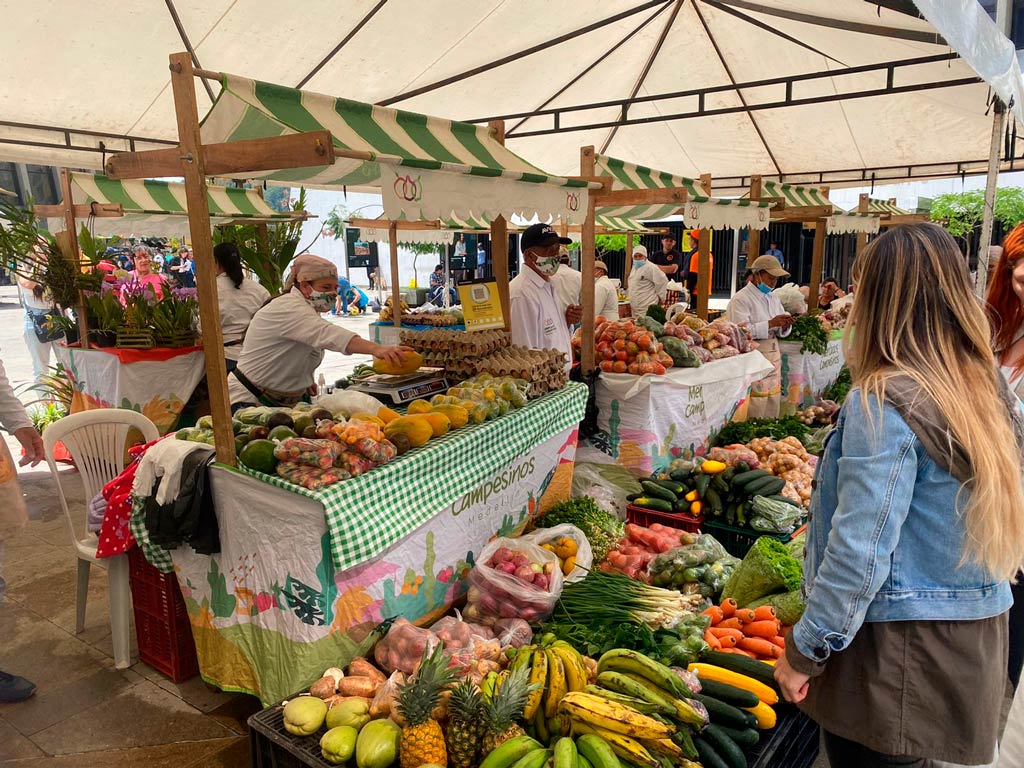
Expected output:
(884, 541)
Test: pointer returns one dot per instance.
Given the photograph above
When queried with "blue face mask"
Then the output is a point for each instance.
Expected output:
(763, 288)
(637, 263)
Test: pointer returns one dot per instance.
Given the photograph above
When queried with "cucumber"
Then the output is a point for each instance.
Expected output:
(722, 713)
(677, 488)
(680, 475)
(703, 482)
(713, 500)
(744, 665)
(709, 757)
(766, 487)
(741, 466)
(681, 505)
(746, 738)
(726, 748)
(783, 499)
(728, 694)
(659, 505)
(634, 496)
(742, 478)
(719, 484)
(653, 490)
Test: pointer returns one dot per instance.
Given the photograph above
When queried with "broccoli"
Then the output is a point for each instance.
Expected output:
(768, 568)
(789, 606)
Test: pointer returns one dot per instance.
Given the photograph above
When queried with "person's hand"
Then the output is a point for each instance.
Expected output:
(573, 314)
(393, 355)
(793, 684)
(32, 442)
(781, 321)
(312, 390)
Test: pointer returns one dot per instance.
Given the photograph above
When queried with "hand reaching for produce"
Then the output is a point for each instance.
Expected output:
(781, 321)
(393, 355)
(792, 683)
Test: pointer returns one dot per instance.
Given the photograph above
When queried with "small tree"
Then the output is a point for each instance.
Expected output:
(609, 244)
(961, 212)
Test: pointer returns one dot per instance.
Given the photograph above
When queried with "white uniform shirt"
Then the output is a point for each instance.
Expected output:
(647, 285)
(538, 318)
(237, 308)
(567, 283)
(284, 345)
(754, 308)
(12, 412)
(606, 298)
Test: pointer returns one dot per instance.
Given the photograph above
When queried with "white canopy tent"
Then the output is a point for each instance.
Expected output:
(832, 92)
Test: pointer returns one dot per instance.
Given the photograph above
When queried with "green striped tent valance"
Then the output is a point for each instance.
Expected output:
(620, 224)
(886, 207)
(793, 195)
(700, 210)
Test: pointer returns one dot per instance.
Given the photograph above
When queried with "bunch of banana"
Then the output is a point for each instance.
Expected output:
(630, 673)
(557, 669)
(522, 751)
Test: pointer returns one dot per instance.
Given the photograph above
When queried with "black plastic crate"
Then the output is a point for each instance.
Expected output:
(793, 743)
(271, 746)
(738, 541)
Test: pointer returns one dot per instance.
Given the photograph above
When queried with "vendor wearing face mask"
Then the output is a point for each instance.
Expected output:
(538, 319)
(762, 312)
(286, 340)
(647, 283)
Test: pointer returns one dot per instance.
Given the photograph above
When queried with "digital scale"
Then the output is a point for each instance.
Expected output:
(402, 389)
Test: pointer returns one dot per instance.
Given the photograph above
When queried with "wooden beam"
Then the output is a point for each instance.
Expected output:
(396, 293)
(68, 245)
(704, 259)
(863, 206)
(297, 150)
(754, 243)
(401, 225)
(190, 144)
(499, 265)
(617, 197)
(82, 211)
(817, 263)
(806, 213)
(587, 248)
(629, 260)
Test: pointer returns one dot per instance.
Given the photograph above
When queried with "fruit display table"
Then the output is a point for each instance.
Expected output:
(155, 382)
(651, 420)
(304, 576)
(805, 375)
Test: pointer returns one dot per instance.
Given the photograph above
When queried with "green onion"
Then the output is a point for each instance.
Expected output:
(612, 597)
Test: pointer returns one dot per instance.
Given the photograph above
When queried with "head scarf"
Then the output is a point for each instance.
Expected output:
(639, 249)
(307, 268)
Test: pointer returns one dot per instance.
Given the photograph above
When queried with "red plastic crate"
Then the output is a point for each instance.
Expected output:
(647, 517)
(161, 620)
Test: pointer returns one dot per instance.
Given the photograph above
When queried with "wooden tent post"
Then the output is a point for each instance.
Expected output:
(817, 258)
(396, 293)
(754, 243)
(629, 260)
(499, 240)
(703, 287)
(587, 162)
(863, 206)
(193, 169)
(69, 247)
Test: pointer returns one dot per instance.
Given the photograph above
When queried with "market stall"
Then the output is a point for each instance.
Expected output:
(806, 375)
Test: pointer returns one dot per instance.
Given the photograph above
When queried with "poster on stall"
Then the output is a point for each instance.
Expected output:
(481, 306)
(651, 420)
(806, 375)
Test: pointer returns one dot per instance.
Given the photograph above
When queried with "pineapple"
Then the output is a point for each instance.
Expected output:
(505, 706)
(465, 724)
(422, 737)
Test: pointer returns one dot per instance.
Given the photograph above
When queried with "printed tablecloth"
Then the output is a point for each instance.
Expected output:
(156, 383)
(651, 420)
(806, 375)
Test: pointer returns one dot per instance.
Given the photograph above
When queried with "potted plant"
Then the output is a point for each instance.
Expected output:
(136, 332)
(173, 317)
(106, 314)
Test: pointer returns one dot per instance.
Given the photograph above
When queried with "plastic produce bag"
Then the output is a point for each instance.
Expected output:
(384, 701)
(703, 568)
(496, 594)
(774, 516)
(584, 554)
(402, 647)
(513, 632)
(457, 634)
(607, 484)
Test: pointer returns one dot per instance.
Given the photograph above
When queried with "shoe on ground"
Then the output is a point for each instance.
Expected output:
(14, 688)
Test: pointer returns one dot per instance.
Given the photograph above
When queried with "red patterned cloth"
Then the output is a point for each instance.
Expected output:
(115, 538)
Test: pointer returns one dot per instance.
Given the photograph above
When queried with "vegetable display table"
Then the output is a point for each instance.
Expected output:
(651, 420)
(155, 382)
(806, 375)
(303, 577)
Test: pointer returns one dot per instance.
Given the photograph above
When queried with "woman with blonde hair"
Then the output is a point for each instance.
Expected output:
(917, 523)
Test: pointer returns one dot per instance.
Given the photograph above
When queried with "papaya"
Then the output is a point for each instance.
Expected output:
(439, 423)
(416, 429)
(456, 414)
(367, 417)
(387, 415)
(418, 406)
(411, 362)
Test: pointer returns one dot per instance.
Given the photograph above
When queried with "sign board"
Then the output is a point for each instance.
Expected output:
(359, 252)
(481, 306)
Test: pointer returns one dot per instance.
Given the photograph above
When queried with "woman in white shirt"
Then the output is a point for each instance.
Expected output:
(287, 338)
(239, 298)
(647, 283)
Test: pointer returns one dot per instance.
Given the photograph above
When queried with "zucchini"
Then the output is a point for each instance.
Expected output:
(680, 475)
(709, 757)
(677, 488)
(658, 505)
(713, 500)
(745, 738)
(721, 713)
(719, 484)
(726, 748)
(703, 482)
(744, 665)
(742, 478)
(681, 505)
(729, 694)
(766, 487)
(741, 466)
(783, 499)
(633, 496)
(653, 490)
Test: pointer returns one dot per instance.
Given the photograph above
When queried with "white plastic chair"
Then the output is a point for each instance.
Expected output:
(97, 441)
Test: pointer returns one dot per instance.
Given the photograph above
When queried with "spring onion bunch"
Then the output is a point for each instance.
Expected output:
(604, 598)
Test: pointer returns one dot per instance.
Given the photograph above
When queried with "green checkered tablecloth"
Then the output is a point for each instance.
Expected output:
(158, 557)
(369, 513)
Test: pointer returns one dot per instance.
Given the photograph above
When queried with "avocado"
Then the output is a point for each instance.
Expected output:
(318, 414)
(309, 432)
(281, 432)
(279, 419)
(258, 432)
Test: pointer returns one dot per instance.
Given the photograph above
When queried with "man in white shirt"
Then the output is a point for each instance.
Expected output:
(647, 283)
(538, 319)
(606, 295)
(755, 306)
(566, 281)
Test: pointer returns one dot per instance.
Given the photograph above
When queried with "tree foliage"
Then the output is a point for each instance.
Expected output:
(609, 243)
(961, 212)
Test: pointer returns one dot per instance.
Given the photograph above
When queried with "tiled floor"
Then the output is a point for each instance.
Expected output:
(86, 713)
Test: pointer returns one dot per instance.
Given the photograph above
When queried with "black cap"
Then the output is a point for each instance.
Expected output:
(540, 235)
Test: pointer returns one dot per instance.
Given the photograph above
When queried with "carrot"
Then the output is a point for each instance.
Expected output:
(745, 615)
(766, 629)
(729, 641)
(721, 632)
(779, 641)
(729, 607)
(757, 645)
(732, 623)
(764, 613)
(777, 652)
(739, 651)
(713, 642)
(715, 613)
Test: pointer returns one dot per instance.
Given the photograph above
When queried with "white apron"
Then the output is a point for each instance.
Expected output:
(766, 394)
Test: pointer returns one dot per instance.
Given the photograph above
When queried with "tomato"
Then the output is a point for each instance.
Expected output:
(619, 366)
